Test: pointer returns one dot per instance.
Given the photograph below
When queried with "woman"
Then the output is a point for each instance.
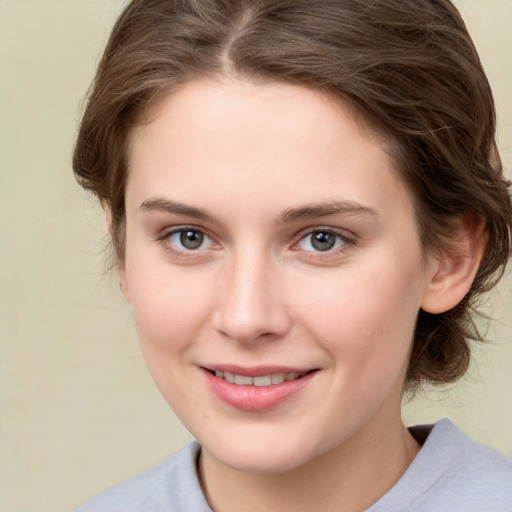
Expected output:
(305, 201)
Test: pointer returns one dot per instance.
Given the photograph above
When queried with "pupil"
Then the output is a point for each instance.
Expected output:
(322, 241)
(191, 239)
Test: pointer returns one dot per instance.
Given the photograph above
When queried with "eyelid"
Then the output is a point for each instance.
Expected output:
(183, 253)
(348, 240)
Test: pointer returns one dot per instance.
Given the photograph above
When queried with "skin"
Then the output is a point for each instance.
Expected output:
(258, 292)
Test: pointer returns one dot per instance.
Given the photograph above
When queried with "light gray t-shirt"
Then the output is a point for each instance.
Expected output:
(451, 473)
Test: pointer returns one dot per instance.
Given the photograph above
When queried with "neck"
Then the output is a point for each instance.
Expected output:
(350, 478)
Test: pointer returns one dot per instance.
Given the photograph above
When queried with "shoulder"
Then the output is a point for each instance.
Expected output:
(170, 485)
(466, 462)
(452, 473)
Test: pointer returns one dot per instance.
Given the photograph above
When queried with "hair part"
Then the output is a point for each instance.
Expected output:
(407, 67)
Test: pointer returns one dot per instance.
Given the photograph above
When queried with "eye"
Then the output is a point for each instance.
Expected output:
(322, 240)
(188, 239)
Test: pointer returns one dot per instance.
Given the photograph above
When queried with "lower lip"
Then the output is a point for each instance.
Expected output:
(255, 398)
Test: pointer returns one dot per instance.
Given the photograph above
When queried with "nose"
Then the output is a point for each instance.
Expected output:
(250, 303)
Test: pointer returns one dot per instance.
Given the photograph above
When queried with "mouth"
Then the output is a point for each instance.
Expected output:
(257, 389)
(271, 379)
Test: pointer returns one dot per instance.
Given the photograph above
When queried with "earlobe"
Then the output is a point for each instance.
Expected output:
(451, 274)
(123, 283)
(121, 271)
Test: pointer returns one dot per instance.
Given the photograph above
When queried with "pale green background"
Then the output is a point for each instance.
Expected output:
(78, 411)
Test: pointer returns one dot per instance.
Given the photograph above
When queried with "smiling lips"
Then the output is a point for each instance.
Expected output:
(260, 381)
(258, 390)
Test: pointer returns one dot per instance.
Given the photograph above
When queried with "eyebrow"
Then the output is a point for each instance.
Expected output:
(325, 209)
(160, 204)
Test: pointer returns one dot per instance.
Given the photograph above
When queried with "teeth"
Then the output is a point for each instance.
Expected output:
(243, 380)
(278, 378)
(266, 380)
(263, 380)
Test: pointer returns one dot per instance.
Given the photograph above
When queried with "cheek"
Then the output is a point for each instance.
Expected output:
(169, 305)
(366, 318)
(170, 311)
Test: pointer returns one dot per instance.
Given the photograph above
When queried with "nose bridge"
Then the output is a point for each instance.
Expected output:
(251, 304)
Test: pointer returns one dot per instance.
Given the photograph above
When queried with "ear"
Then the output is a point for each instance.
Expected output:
(121, 270)
(451, 274)
(123, 281)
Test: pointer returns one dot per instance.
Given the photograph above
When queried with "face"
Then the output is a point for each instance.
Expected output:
(274, 269)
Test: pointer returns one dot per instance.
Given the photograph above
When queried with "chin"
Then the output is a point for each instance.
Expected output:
(261, 453)
(259, 461)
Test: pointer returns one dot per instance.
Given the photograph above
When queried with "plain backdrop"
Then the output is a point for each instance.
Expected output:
(78, 410)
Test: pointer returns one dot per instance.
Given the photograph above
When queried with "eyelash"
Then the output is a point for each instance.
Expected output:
(182, 253)
(346, 241)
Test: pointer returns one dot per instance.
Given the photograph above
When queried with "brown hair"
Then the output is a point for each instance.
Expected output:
(408, 67)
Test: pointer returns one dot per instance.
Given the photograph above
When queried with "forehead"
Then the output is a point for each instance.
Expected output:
(228, 101)
(236, 136)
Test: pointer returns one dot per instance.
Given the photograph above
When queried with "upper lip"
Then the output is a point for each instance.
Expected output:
(256, 371)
